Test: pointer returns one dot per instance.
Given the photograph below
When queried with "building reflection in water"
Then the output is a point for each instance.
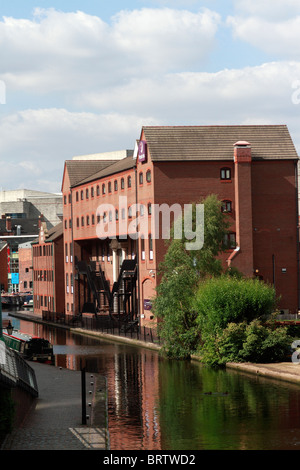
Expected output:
(132, 381)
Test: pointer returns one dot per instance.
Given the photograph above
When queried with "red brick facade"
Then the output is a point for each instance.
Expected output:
(253, 175)
(48, 271)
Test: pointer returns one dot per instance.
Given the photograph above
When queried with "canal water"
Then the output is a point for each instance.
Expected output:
(157, 404)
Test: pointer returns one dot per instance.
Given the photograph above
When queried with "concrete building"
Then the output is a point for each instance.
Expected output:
(30, 204)
(22, 211)
(252, 169)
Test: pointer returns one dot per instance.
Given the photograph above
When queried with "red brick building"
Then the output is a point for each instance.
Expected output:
(25, 268)
(252, 169)
(48, 270)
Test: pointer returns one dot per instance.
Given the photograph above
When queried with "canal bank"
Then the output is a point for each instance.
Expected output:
(283, 371)
(55, 419)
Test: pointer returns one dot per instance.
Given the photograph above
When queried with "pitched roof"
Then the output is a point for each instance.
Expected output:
(117, 167)
(184, 143)
(81, 169)
(55, 232)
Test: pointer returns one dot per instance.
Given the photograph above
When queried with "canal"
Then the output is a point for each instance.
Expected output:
(157, 404)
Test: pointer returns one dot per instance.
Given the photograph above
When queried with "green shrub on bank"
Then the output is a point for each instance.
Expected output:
(225, 299)
(241, 342)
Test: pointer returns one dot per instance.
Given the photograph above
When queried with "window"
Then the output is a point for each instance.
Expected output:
(148, 176)
(117, 214)
(110, 216)
(116, 185)
(150, 247)
(93, 219)
(87, 220)
(225, 174)
(77, 222)
(226, 206)
(98, 190)
(109, 187)
(103, 189)
(77, 197)
(65, 199)
(81, 195)
(129, 212)
(229, 241)
(104, 217)
(141, 178)
(82, 221)
(122, 183)
(143, 248)
(149, 208)
(92, 191)
(129, 182)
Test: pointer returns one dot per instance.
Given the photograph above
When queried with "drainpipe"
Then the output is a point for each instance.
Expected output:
(232, 256)
(137, 245)
(297, 229)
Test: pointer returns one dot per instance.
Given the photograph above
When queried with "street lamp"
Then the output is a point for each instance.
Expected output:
(9, 328)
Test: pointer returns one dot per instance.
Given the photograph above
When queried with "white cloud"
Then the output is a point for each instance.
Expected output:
(41, 140)
(269, 9)
(199, 96)
(65, 51)
(281, 38)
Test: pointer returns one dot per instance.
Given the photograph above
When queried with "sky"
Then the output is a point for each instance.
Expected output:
(83, 77)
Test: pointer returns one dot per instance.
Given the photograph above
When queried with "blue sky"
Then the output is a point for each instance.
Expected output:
(83, 77)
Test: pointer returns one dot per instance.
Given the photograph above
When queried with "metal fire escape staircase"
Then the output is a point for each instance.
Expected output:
(121, 302)
(124, 294)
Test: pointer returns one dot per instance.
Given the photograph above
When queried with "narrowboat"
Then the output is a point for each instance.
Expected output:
(32, 348)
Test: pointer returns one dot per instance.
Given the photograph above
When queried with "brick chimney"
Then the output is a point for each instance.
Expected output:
(8, 224)
(41, 219)
(243, 207)
(242, 152)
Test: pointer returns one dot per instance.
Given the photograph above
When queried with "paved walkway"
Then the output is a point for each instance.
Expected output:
(286, 371)
(54, 423)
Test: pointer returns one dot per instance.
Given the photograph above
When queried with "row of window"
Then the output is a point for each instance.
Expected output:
(43, 250)
(109, 216)
(108, 188)
(43, 275)
(43, 301)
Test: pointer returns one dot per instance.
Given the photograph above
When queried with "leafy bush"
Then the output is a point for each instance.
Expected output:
(242, 342)
(223, 300)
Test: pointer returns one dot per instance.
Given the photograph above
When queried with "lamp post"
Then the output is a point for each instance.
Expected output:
(9, 328)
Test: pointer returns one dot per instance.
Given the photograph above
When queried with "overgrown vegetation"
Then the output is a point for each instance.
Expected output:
(220, 316)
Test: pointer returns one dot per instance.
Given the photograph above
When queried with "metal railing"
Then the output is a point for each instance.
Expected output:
(105, 324)
(15, 372)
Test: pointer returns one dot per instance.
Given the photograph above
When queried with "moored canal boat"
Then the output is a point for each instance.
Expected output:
(32, 348)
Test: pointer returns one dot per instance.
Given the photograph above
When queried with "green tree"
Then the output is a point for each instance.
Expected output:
(180, 273)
